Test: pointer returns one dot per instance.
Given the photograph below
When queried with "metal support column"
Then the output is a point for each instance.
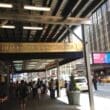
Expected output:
(58, 79)
(69, 39)
(8, 83)
(12, 77)
(87, 64)
(45, 74)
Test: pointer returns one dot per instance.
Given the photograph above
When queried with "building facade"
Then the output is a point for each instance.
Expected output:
(98, 33)
(99, 30)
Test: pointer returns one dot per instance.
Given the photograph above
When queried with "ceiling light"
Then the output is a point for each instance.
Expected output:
(34, 8)
(8, 26)
(18, 68)
(18, 61)
(5, 5)
(32, 28)
(17, 64)
(31, 65)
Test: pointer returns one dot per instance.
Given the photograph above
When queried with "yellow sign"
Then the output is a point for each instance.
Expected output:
(39, 47)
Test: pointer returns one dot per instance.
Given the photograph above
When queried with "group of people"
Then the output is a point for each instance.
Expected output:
(34, 90)
(24, 90)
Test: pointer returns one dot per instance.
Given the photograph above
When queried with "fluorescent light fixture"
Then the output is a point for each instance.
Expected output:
(18, 61)
(18, 68)
(17, 64)
(32, 65)
(34, 8)
(8, 26)
(5, 5)
(32, 28)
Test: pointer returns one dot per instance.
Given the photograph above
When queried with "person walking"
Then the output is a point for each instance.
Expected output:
(52, 88)
(94, 80)
(23, 92)
(39, 85)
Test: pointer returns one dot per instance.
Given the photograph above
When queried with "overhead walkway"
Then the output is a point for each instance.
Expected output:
(45, 103)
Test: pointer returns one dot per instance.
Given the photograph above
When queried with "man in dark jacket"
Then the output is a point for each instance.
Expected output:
(23, 92)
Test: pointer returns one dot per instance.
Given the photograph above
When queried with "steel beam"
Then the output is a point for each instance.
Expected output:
(43, 19)
(39, 47)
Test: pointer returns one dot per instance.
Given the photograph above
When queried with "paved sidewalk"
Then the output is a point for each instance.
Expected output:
(101, 98)
(45, 103)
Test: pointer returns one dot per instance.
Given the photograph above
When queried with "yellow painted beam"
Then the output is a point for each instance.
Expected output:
(39, 47)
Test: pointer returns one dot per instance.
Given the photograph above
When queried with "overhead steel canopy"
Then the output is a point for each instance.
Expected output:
(69, 12)
(53, 22)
